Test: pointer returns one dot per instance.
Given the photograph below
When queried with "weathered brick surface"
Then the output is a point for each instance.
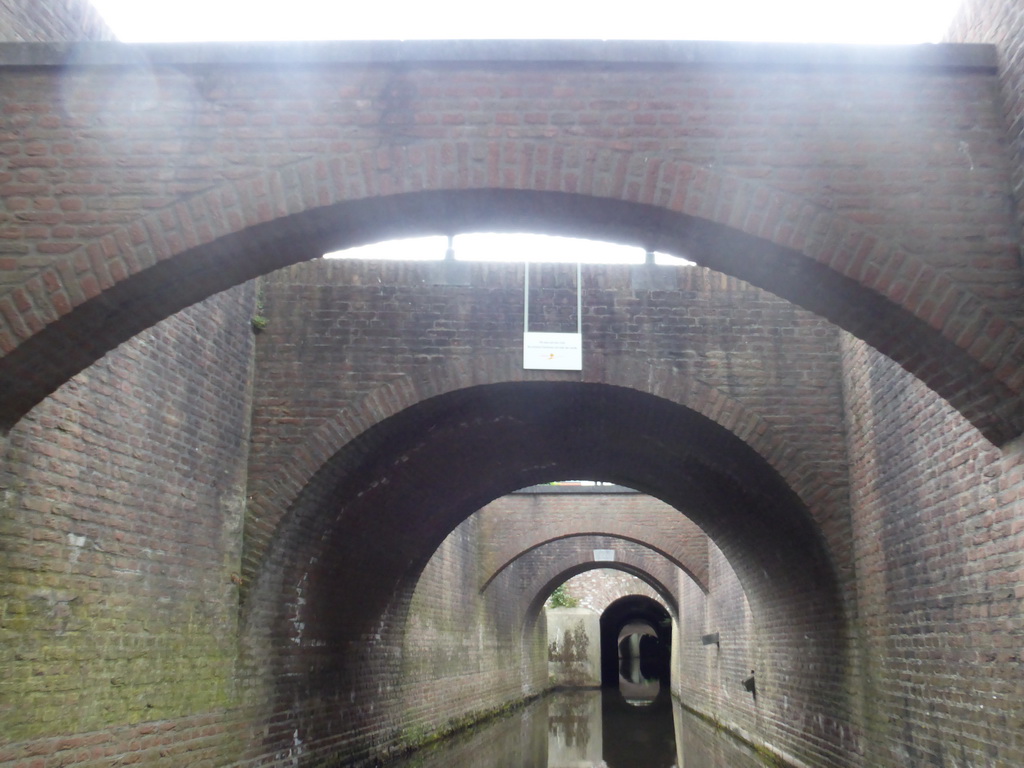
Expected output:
(869, 188)
(50, 21)
(939, 536)
(866, 537)
(743, 358)
(919, 599)
(708, 677)
(464, 652)
(455, 632)
(1001, 23)
(120, 525)
(515, 524)
(197, 740)
(597, 589)
(458, 632)
(532, 576)
(458, 423)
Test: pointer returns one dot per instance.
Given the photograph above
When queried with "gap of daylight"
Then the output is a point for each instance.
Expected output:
(516, 247)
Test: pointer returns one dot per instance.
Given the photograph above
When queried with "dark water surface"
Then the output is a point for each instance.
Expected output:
(590, 729)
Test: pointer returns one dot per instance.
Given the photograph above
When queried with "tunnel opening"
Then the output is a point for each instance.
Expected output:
(636, 647)
(573, 609)
(334, 593)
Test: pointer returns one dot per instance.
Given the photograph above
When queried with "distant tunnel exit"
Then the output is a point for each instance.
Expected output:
(636, 642)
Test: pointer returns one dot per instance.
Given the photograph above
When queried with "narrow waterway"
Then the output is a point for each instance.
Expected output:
(590, 729)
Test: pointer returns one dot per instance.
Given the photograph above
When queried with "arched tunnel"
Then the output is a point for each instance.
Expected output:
(337, 588)
(636, 642)
(264, 508)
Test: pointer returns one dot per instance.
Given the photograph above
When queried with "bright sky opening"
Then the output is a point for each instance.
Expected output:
(507, 247)
(818, 21)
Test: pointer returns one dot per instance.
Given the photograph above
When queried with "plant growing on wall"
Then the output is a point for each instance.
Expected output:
(258, 320)
(561, 598)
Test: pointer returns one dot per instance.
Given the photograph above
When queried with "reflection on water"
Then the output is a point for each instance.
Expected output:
(637, 736)
(590, 729)
(637, 685)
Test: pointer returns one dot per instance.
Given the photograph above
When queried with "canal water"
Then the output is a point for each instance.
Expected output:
(591, 729)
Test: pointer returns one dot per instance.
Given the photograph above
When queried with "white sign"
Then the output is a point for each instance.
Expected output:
(604, 555)
(553, 351)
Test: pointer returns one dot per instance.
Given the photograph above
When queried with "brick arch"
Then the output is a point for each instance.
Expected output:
(340, 573)
(617, 594)
(632, 563)
(66, 316)
(268, 508)
(452, 453)
(690, 569)
(529, 581)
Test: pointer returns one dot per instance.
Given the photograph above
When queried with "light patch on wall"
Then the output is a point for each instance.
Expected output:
(77, 542)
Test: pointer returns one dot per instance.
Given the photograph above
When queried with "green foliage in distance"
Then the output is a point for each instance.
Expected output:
(560, 598)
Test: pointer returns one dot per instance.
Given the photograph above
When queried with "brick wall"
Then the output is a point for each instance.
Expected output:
(867, 537)
(414, 400)
(50, 21)
(465, 653)
(869, 187)
(531, 578)
(708, 678)
(938, 530)
(1001, 23)
(457, 633)
(99, 561)
(755, 364)
(599, 588)
(121, 533)
(519, 522)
